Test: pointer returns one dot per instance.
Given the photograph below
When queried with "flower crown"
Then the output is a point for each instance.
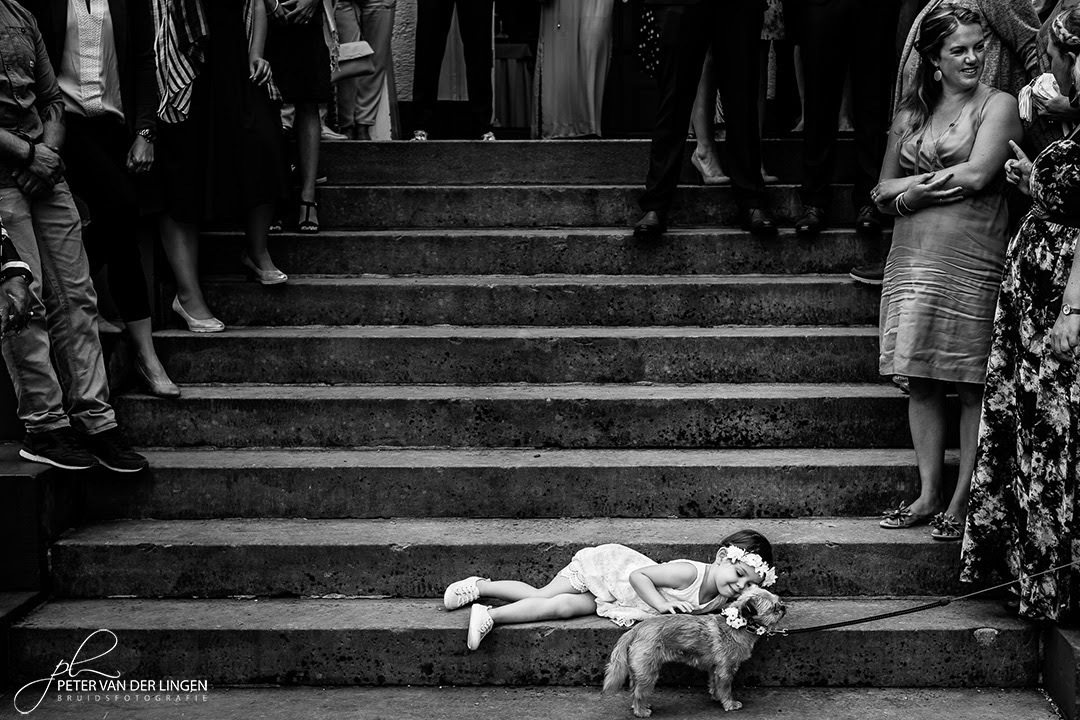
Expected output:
(1064, 37)
(735, 554)
(736, 620)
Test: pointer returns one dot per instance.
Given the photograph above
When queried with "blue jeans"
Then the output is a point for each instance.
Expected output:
(55, 363)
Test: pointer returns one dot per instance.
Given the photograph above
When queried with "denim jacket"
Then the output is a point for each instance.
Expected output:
(29, 93)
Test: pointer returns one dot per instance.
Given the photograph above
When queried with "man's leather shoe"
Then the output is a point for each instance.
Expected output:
(811, 222)
(867, 219)
(758, 222)
(650, 227)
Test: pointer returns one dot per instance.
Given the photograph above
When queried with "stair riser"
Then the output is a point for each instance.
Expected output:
(709, 423)
(557, 654)
(544, 206)
(464, 360)
(83, 570)
(572, 162)
(572, 303)
(569, 253)
(523, 492)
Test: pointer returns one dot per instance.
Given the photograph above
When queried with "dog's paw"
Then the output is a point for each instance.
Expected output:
(732, 705)
(641, 710)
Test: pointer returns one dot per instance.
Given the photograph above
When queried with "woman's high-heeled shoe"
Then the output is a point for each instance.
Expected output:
(708, 176)
(161, 387)
(209, 325)
(307, 224)
(272, 276)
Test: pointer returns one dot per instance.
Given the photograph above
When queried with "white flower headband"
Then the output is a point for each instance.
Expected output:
(734, 554)
(736, 620)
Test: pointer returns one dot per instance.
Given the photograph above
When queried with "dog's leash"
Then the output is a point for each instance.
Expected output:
(784, 632)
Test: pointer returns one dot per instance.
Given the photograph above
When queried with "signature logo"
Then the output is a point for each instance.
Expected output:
(68, 669)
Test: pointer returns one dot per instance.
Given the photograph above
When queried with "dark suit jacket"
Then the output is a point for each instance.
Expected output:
(133, 33)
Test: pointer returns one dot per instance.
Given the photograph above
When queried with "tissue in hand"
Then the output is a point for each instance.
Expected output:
(1043, 87)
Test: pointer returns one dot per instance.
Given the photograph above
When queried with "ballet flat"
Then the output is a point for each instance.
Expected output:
(265, 277)
(158, 388)
(209, 325)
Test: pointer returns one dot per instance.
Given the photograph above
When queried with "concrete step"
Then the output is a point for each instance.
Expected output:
(556, 703)
(462, 482)
(442, 206)
(629, 300)
(398, 642)
(567, 416)
(441, 354)
(571, 162)
(419, 557)
(552, 251)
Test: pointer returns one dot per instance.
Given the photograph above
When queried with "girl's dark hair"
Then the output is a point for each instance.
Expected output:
(750, 541)
(923, 94)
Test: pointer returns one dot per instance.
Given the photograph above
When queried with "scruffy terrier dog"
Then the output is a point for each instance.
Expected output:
(715, 643)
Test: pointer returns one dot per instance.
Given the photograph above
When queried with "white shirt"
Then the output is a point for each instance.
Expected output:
(89, 75)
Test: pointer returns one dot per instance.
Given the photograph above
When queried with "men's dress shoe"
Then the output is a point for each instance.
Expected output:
(867, 219)
(650, 227)
(758, 222)
(811, 222)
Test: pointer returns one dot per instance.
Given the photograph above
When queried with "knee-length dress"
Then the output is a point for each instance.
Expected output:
(605, 571)
(1022, 515)
(944, 268)
(573, 56)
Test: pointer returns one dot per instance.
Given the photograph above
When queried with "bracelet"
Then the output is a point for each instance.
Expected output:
(901, 202)
(277, 4)
(31, 154)
(899, 210)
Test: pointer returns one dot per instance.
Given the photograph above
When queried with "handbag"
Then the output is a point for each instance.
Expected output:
(354, 60)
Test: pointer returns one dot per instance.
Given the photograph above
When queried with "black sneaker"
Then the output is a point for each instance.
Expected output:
(868, 274)
(113, 453)
(59, 448)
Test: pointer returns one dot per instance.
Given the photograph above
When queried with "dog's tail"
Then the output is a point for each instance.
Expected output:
(618, 667)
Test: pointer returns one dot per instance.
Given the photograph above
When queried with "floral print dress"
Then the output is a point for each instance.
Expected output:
(1022, 513)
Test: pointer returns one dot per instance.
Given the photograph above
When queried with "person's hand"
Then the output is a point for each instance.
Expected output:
(1065, 336)
(886, 191)
(140, 156)
(674, 606)
(274, 9)
(30, 185)
(298, 12)
(14, 306)
(926, 191)
(260, 71)
(1057, 107)
(1018, 171)
(45, 171)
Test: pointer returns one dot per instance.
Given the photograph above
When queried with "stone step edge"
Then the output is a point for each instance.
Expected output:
(554, 280)
(554, 232)
(401, 533)
(587, 703)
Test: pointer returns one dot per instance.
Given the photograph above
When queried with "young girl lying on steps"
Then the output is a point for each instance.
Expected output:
(621, 584)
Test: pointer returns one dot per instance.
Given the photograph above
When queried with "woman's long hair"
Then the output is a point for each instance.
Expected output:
(922, 96)
(1065, 35)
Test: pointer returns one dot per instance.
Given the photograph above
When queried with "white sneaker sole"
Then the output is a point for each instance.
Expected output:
(27, 455)
(119, 470)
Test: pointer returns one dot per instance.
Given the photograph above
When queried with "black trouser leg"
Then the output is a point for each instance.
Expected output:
(736, 39)
(95, 152)
(433, 19)
(871, 76)
(826, 46)
(684, 38)
(475, 19)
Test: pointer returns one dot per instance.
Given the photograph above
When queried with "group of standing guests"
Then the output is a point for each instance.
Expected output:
(965, 307)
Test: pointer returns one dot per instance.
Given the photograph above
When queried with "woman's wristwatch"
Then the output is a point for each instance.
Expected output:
(147, 134)
(1067, 309)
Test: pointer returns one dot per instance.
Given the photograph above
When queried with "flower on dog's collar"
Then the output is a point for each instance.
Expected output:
(737, 555)
(736, 620)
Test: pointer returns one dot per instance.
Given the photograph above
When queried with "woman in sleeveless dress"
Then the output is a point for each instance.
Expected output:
(1022, 519)
(942, 179)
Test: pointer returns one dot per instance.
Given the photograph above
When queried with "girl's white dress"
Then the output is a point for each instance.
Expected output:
(605, 571)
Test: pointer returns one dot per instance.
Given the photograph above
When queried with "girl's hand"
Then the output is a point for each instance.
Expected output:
(1065, 336)
(926, 192)
(298, 12)
(674, 606)
(1018, 171)
(886, 191)
(260, 71)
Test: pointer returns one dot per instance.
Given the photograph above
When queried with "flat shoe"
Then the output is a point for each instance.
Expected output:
(902, 518)
(946, 527)
(265, 277)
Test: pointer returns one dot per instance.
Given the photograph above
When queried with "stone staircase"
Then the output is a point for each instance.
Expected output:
(487, 376)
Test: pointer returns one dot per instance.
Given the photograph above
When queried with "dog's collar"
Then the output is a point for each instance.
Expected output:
(737, 621)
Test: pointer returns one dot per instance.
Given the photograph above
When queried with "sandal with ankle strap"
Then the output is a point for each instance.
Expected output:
(306, 224)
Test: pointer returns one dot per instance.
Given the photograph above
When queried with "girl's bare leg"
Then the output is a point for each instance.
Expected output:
(513, 590)
(559, 607)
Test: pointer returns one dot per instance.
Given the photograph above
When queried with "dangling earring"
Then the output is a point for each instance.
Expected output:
(937, 75)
